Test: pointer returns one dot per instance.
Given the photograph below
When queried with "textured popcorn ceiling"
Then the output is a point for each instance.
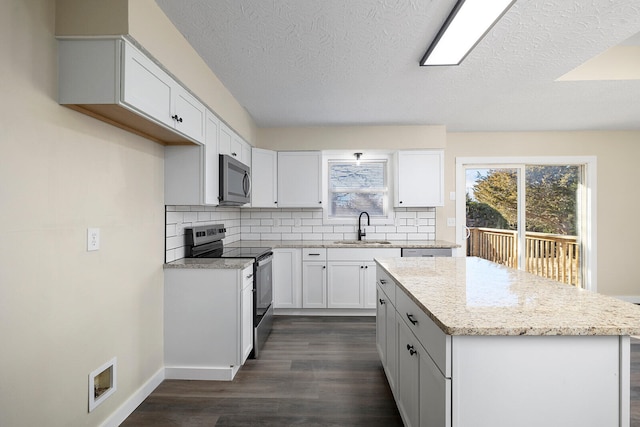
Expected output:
(335, 62)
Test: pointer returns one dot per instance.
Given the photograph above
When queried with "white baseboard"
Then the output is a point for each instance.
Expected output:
(635, 299)
(208, 374)
(134, 401)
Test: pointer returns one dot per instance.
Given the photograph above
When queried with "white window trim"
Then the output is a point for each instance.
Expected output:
(589, 226)
(341, 156)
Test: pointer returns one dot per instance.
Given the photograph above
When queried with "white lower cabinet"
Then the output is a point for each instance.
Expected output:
(287, 278)
(208, 322)
(421, 389)
(351, 278)
(314, 278)
(344, 284)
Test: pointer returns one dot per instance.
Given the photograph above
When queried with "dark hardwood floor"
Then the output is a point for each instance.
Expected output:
(313, 371)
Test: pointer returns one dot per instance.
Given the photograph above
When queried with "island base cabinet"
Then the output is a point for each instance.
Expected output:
(423, 393)
(532, 381)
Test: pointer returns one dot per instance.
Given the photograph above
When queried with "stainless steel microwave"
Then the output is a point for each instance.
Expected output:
(235, 182)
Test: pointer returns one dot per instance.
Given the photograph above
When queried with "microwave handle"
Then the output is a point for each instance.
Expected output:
(246, 184)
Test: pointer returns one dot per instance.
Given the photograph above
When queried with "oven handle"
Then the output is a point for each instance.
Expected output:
(264, 261)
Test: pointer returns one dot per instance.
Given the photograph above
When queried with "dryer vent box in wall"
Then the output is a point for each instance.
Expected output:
(102, 383)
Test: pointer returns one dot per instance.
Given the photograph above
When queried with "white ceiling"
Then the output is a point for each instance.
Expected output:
(355, 62)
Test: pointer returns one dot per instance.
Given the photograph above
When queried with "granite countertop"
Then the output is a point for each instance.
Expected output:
(430, 244)
(472, 296)
(211, 263)
(240, 263)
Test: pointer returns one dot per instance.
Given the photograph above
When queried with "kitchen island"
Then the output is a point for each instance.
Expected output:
(466, 342)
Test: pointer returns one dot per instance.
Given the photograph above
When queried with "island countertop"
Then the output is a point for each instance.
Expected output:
(472, 296)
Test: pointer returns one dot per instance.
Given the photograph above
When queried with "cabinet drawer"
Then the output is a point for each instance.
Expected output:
(361, 254)
(387, 285)
(436, 342)
(314, 254)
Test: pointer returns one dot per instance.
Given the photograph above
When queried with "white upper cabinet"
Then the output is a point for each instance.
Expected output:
(264, 178)
(211, 162)
(299, 179)
(191, 172)
(231, 144)
(112, 80)
(419, 178)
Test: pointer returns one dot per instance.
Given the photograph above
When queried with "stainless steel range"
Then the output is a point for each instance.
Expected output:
(206, 242)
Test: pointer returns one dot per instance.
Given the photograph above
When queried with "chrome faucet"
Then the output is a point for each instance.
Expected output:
(361, 232)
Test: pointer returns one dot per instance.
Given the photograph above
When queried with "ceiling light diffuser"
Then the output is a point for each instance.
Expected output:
(466, 25)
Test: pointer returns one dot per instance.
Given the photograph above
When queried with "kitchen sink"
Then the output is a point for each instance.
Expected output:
(363, 242)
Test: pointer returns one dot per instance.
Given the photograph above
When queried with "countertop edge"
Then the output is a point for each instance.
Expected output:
(604, 330)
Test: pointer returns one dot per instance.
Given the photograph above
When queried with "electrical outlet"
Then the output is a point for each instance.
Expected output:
(452, 195)
(451, 222)
(93, 239)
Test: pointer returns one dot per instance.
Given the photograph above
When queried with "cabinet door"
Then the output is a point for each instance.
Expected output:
(146, 87)
(211, 163)
(392, 348)
(246, 322)
(314, 285)
(224, 140)
(369, 284)
(189, 114)
(435, 395)
(287, 279)
(381, 326)
(264, 188)
(236, 147)
(408, 386)
(419, 178)
(299, 179)
(246, 154)
(344, 284)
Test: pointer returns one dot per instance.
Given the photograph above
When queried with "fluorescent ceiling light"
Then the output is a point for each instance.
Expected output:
(466, 25)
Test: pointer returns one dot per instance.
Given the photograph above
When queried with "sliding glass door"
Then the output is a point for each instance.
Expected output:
(532, 214)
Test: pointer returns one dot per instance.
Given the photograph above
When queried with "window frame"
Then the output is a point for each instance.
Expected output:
(389, 219)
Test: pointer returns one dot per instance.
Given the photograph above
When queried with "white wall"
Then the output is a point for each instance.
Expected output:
(65, 311)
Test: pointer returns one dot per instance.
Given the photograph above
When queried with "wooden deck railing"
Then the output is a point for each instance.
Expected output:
(548, 255)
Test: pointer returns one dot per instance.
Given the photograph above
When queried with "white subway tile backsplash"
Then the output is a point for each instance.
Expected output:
(406, 214)
(204, 216)
(291, 236)
(190, 217)
(288, 224)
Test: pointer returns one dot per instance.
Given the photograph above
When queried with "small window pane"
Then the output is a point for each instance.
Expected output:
(356, 188)
(351, 204)
(350, 175)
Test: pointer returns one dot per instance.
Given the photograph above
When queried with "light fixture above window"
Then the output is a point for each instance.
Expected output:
(357, 155)
(467, 24)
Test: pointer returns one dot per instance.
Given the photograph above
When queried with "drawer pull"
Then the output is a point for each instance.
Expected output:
(412, 350)
(411, 319)
(383, 282)
(250, 276)
(382, 302)
(314, 254)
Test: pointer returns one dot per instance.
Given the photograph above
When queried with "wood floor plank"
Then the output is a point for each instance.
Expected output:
(313, 371)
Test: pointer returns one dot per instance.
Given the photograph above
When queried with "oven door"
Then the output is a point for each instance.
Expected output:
(263, 286)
